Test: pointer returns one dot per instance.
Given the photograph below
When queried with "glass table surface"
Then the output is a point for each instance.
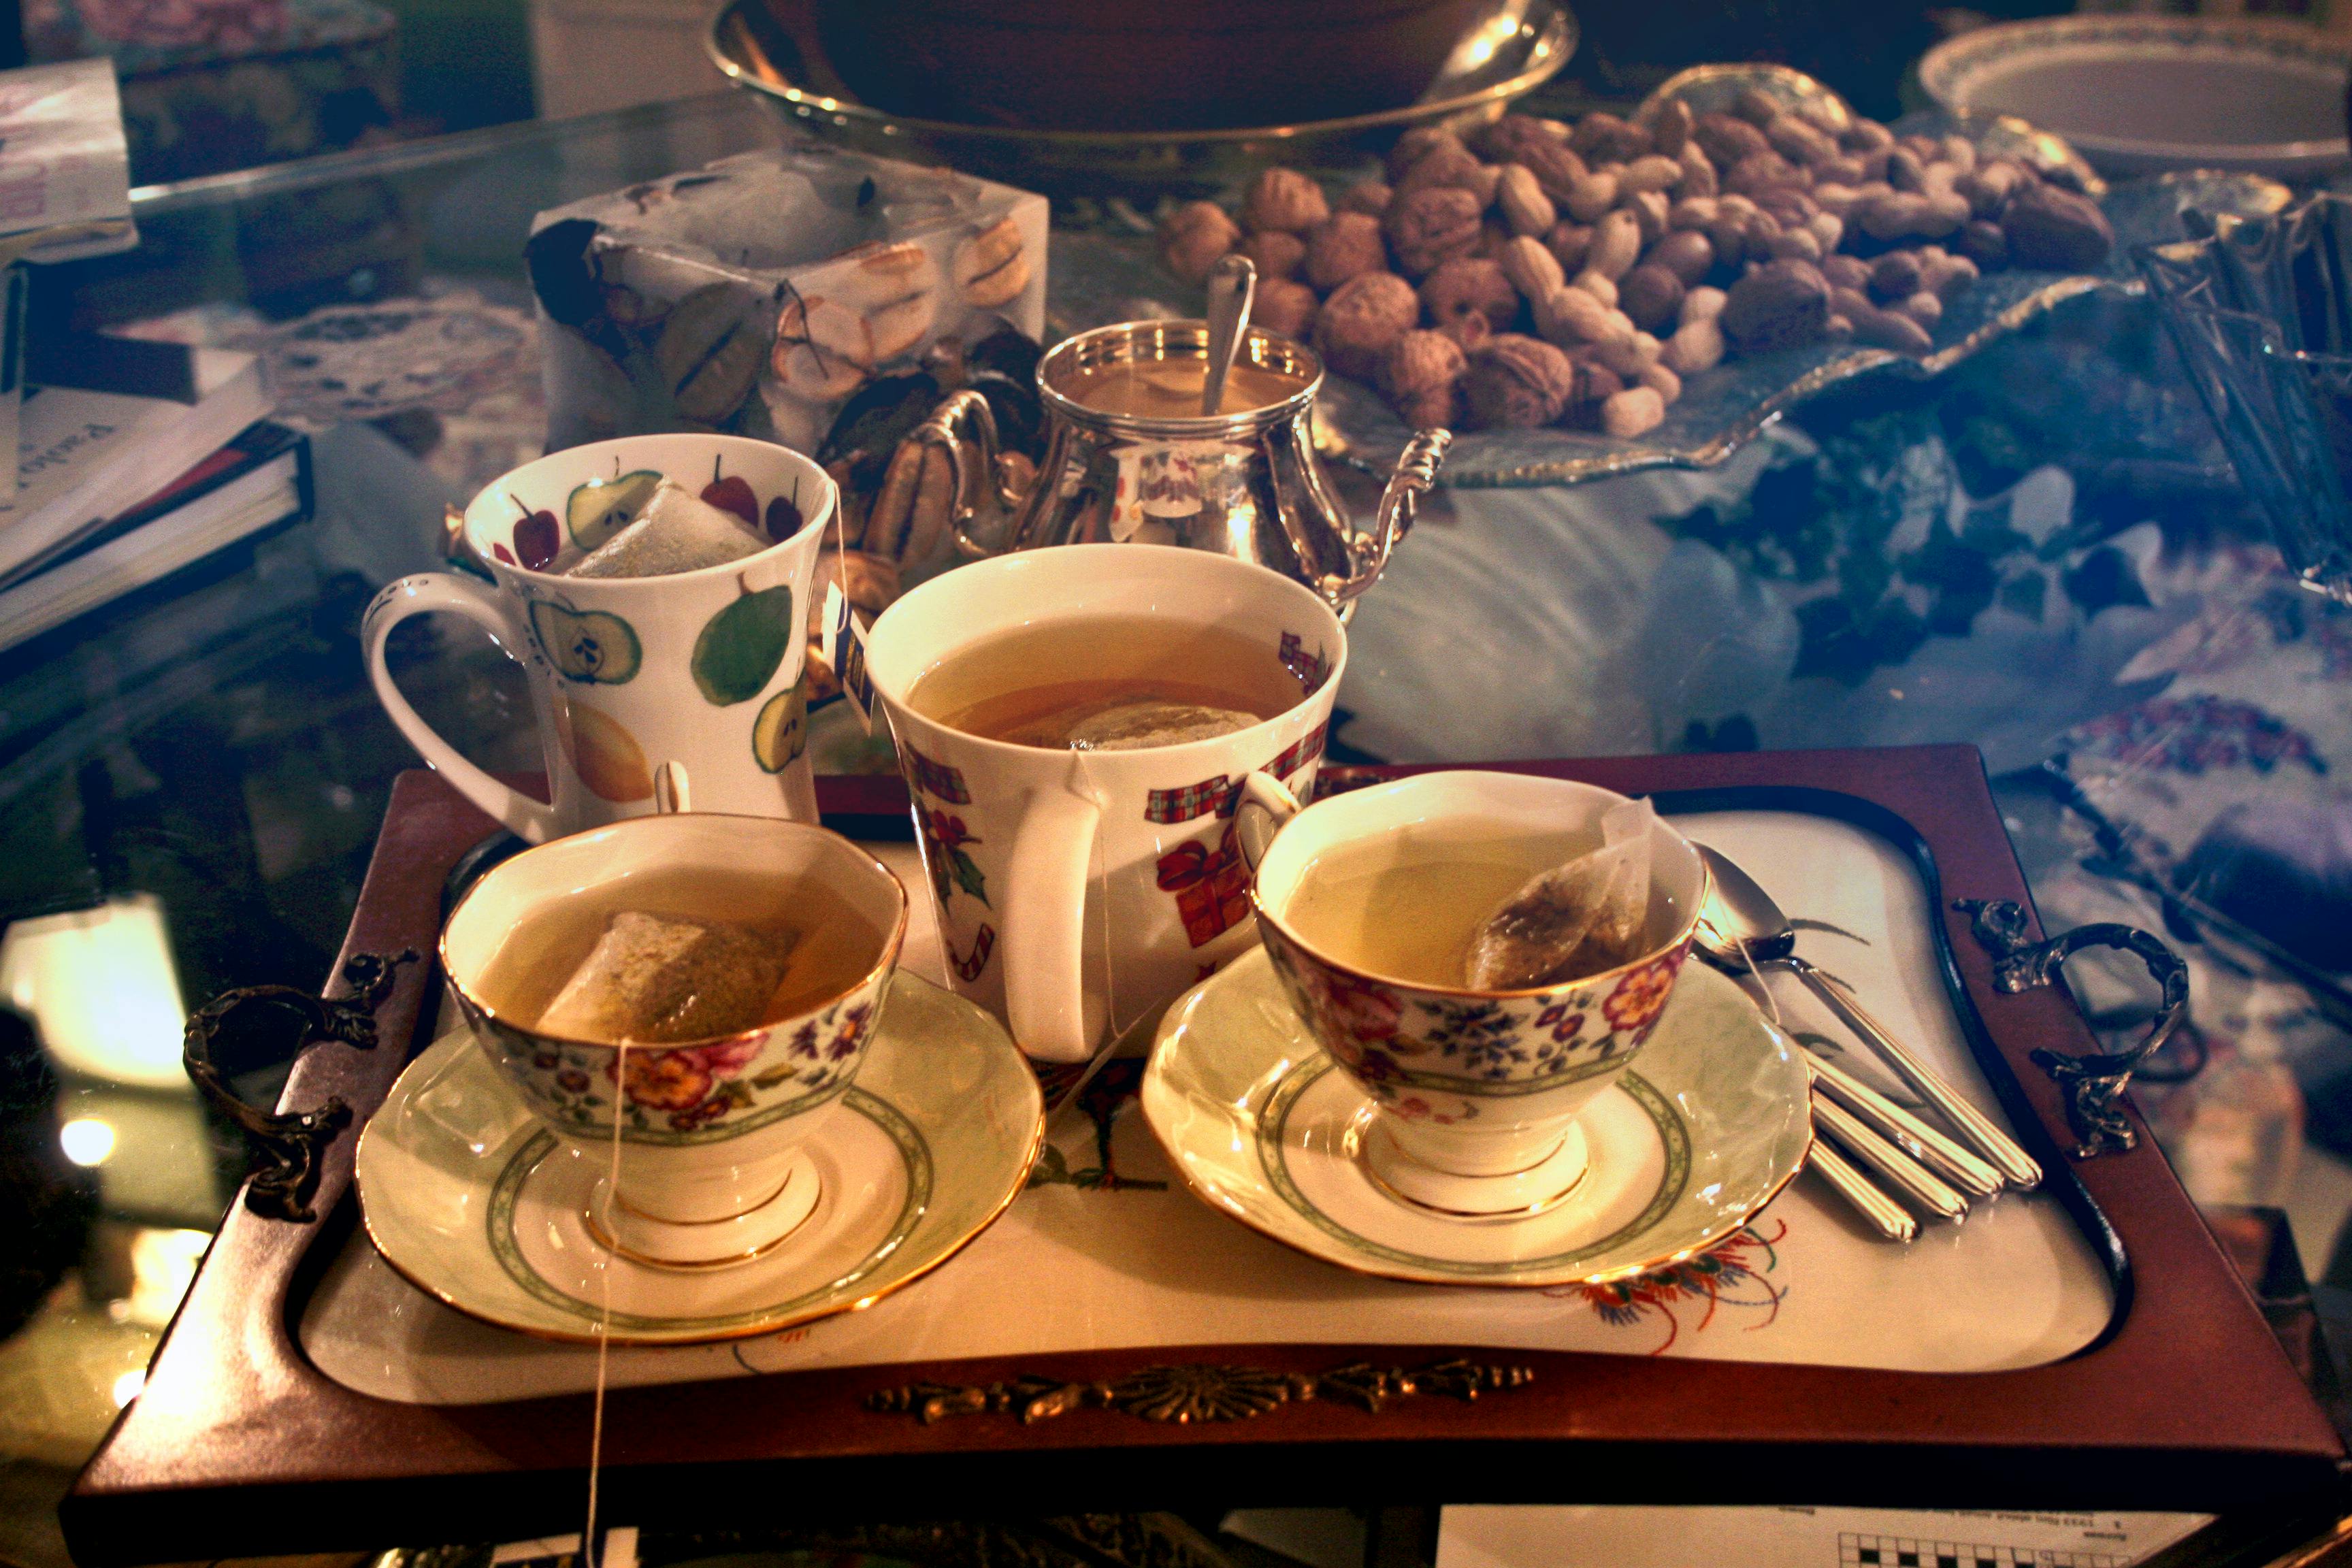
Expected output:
(2042, 553)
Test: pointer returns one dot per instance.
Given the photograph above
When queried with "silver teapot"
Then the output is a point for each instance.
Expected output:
(1248, 484)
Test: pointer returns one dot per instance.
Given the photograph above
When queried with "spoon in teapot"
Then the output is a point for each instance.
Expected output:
(1233, 286)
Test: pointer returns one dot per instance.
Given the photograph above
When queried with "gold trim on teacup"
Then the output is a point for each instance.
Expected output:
(1682, 939)
(882, 967)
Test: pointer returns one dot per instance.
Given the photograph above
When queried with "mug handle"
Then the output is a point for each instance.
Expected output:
(1044, 923)
(1273, 804)
(420, 595)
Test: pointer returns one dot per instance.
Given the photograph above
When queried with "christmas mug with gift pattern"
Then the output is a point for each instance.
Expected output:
(1078, 891)
(692, 679)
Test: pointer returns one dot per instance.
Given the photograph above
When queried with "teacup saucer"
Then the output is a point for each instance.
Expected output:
(1708, 1126)
(474, 1201)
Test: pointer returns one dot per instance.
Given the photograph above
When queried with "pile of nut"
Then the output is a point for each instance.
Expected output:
(1545, 273)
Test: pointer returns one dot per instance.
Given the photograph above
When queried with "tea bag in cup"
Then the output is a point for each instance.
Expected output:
(1582, 916)
(653, 980)
(1130, 724)
(676, 532)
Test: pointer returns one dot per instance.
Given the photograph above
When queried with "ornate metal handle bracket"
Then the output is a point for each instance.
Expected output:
(1415, 475)
(1199, 1391)
(2093, 1083)
(286, 1148)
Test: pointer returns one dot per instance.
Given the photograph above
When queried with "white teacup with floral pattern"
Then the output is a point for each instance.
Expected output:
(1474, 1094)
(711, 1169)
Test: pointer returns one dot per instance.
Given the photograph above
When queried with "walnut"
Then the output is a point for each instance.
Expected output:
(1414, 144)
(1361, 319)
(1284, 307)
(1456, 167)
(1557, 169)
(1518, 383)
(1283, 199)
(1470, 287)
(1423, 378)
(1194, 237)
(1502, 140)
(1604, 138)
(1432, 225)
(1276, 253)
(1366, 197)
(1347, 244)
(1467, 331)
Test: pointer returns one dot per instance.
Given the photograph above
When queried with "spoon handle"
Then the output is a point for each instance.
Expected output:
(2016, 1167)
(1913, 1137)
(1881, 1212)
(1907, 1175)
(1233, 285)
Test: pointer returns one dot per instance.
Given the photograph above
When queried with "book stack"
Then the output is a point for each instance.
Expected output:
(164, 464)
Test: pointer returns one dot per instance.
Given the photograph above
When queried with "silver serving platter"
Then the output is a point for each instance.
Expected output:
(1515, 48)
(1728, 406)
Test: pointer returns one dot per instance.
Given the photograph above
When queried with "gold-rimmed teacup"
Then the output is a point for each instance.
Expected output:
(1473, 1095)
(713, 1169)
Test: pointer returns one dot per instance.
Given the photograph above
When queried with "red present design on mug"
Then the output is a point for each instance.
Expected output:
(1211, 885)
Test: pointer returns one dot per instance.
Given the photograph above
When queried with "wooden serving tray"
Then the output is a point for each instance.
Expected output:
(239, 1445)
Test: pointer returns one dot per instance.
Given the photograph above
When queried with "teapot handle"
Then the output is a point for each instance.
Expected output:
(973, 459)
(1414, 477)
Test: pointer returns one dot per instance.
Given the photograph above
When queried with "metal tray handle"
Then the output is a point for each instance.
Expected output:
(2092, 1085)
(285, 1147)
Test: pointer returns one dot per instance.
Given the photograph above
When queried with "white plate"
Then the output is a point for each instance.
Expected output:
(1710, 1123)
(467, 1195)
(2140, 94)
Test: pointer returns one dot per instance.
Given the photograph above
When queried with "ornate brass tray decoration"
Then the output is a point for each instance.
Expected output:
(1200, 1391)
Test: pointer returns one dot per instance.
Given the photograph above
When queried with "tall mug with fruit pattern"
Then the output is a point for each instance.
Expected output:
(686, 685)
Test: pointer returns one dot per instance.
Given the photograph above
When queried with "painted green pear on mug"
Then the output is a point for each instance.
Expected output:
(742, 645)
(780, 735)
(595, 647)
(602, 507)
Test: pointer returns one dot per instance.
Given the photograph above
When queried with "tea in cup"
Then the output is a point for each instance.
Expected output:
(1075, 724)
(707, 982)
(1372, 905)
(655, 588)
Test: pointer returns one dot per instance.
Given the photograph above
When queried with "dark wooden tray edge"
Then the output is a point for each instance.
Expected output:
(267, 1455)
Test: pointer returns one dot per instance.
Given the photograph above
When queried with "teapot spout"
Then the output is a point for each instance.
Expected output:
(1414, 476)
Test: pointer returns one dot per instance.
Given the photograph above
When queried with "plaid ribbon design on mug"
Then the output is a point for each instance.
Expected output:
(1219, 794)
(936, 779)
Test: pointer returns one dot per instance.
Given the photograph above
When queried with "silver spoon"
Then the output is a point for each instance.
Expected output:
(1233, 285)
(1741, 917)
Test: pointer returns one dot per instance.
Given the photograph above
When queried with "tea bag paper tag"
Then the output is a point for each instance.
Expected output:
(844, 646)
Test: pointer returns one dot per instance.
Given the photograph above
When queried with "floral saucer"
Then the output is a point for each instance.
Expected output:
(1711, 1122)
(474, 1201)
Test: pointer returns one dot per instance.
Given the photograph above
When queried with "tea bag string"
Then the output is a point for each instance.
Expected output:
(1771, 1003)
(589, 1554)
